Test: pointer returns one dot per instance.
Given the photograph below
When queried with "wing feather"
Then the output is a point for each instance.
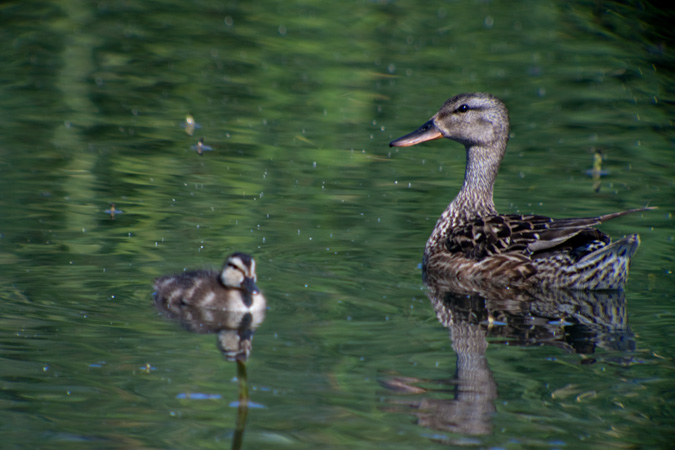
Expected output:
(528, 234)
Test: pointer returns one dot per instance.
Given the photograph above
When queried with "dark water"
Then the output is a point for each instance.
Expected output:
(299, 102)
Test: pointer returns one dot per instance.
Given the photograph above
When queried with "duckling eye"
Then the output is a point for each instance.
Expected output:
(232, 266)
(463, 108)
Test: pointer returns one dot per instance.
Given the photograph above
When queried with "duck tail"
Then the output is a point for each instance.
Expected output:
(607, 267)
(606, 217)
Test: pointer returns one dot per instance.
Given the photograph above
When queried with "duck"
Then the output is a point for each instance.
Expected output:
(474, 245)
(196, 293)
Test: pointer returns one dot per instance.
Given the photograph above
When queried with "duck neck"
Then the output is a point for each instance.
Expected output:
(475, 198)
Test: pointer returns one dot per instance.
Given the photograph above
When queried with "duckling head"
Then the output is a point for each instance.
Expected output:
(239, 273)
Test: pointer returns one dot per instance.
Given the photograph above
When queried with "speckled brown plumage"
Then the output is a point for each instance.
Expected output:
(206, 301)
(197, 292)
(473, 243)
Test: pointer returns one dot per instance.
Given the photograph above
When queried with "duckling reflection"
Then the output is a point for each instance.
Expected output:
(576, 321)
(227, 302)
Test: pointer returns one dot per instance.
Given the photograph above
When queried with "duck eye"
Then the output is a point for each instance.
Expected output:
(463, 108)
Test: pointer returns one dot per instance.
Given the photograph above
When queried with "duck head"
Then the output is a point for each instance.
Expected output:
(475, 120)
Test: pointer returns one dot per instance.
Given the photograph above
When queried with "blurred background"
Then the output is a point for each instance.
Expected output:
(298, 102)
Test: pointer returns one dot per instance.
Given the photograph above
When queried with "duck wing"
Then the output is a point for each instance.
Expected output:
(529, 234)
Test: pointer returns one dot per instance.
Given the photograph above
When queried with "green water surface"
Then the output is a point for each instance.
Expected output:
(299, 101)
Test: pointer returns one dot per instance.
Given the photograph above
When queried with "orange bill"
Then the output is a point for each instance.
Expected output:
(426, 132)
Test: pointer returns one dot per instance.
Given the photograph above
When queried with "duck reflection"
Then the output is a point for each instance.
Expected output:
(577, 321)
(227, 303)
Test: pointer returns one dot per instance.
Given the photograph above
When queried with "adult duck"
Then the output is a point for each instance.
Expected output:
(473, 244)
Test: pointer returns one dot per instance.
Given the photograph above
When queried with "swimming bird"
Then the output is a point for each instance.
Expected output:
(474, 244)
(197, 292)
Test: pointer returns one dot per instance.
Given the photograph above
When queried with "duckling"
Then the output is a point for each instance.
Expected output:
(232, 289)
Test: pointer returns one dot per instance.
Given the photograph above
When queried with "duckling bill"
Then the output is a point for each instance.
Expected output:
(472, 242)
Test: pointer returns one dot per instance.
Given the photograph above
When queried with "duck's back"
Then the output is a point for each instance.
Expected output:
(519, 250)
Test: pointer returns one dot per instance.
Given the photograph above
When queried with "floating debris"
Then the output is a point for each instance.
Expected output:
(113, 211)
(197, 396)
(596, 172)
(200, 147)
(190, 125)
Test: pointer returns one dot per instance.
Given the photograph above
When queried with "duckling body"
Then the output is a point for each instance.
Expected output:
(232, 289)
(472, 242)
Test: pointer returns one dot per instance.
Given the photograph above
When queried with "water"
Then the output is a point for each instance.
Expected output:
(299, 102)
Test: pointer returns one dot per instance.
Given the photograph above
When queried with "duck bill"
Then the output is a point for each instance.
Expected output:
(426, 132)
(250, 286)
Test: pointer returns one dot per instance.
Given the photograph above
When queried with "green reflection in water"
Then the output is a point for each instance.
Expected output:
(299, 102)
